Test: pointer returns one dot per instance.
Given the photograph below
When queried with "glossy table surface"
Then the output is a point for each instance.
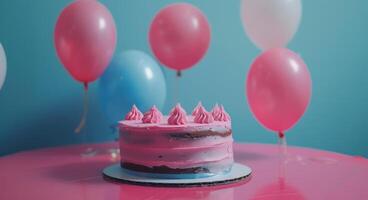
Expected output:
(69, 173)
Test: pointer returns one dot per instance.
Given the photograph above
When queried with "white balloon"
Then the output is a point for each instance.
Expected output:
(271, 23)
(2, 66)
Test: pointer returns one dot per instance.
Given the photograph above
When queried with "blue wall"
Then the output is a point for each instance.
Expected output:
(40, 104)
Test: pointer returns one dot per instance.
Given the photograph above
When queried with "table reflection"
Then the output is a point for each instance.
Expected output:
(132, 192)
(279, 190)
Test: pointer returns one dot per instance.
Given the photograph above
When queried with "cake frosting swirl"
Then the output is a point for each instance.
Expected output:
(134, 114)
(221, 115)
(196, 109)
(215, 110)
(178, 116)
(203, 117)
(152, 116)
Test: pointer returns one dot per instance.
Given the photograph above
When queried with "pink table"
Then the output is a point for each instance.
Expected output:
(61, 173)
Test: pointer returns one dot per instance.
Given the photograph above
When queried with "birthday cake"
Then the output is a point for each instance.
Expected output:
(177, 145)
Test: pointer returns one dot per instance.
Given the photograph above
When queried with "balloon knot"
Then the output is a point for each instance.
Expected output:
(281, 134)
(178, 73)
(85, 84)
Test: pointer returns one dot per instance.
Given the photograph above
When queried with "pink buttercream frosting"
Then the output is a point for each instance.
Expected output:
(134, 114)
(221, 115)
(152, 116)
(215, 110)
(178, 116)
(203, 117)
(172, 140)
(196, 109)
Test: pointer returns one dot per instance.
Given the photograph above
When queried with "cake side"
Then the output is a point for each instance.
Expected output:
(163, 135)
(165, 148)
(183, 149)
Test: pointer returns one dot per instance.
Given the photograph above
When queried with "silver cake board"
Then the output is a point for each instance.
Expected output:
(237, 173)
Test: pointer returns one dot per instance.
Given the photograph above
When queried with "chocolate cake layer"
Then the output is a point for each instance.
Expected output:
(163, 169)
(199, 134)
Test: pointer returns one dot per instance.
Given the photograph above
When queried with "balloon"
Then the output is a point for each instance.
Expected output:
(278, 88)
(133, 77)
(85, 39)
(2, 65)
(179, 36)
(271, 23)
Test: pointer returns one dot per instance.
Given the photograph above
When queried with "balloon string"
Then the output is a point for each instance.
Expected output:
(177, 87)
(282, 154)
(85, 110)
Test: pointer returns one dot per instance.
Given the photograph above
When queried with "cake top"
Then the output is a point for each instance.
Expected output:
(178, 117)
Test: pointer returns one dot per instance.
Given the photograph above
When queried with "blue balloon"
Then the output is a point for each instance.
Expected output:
(133, 77)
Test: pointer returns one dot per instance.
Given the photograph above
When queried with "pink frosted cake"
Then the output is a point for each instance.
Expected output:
(177, 145)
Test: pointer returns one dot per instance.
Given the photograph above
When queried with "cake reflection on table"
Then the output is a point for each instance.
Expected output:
(132, 192)
(279, 190)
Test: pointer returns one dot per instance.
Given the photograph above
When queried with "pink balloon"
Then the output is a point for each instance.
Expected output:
(278, 88)
(85, 39)
(179, 36)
